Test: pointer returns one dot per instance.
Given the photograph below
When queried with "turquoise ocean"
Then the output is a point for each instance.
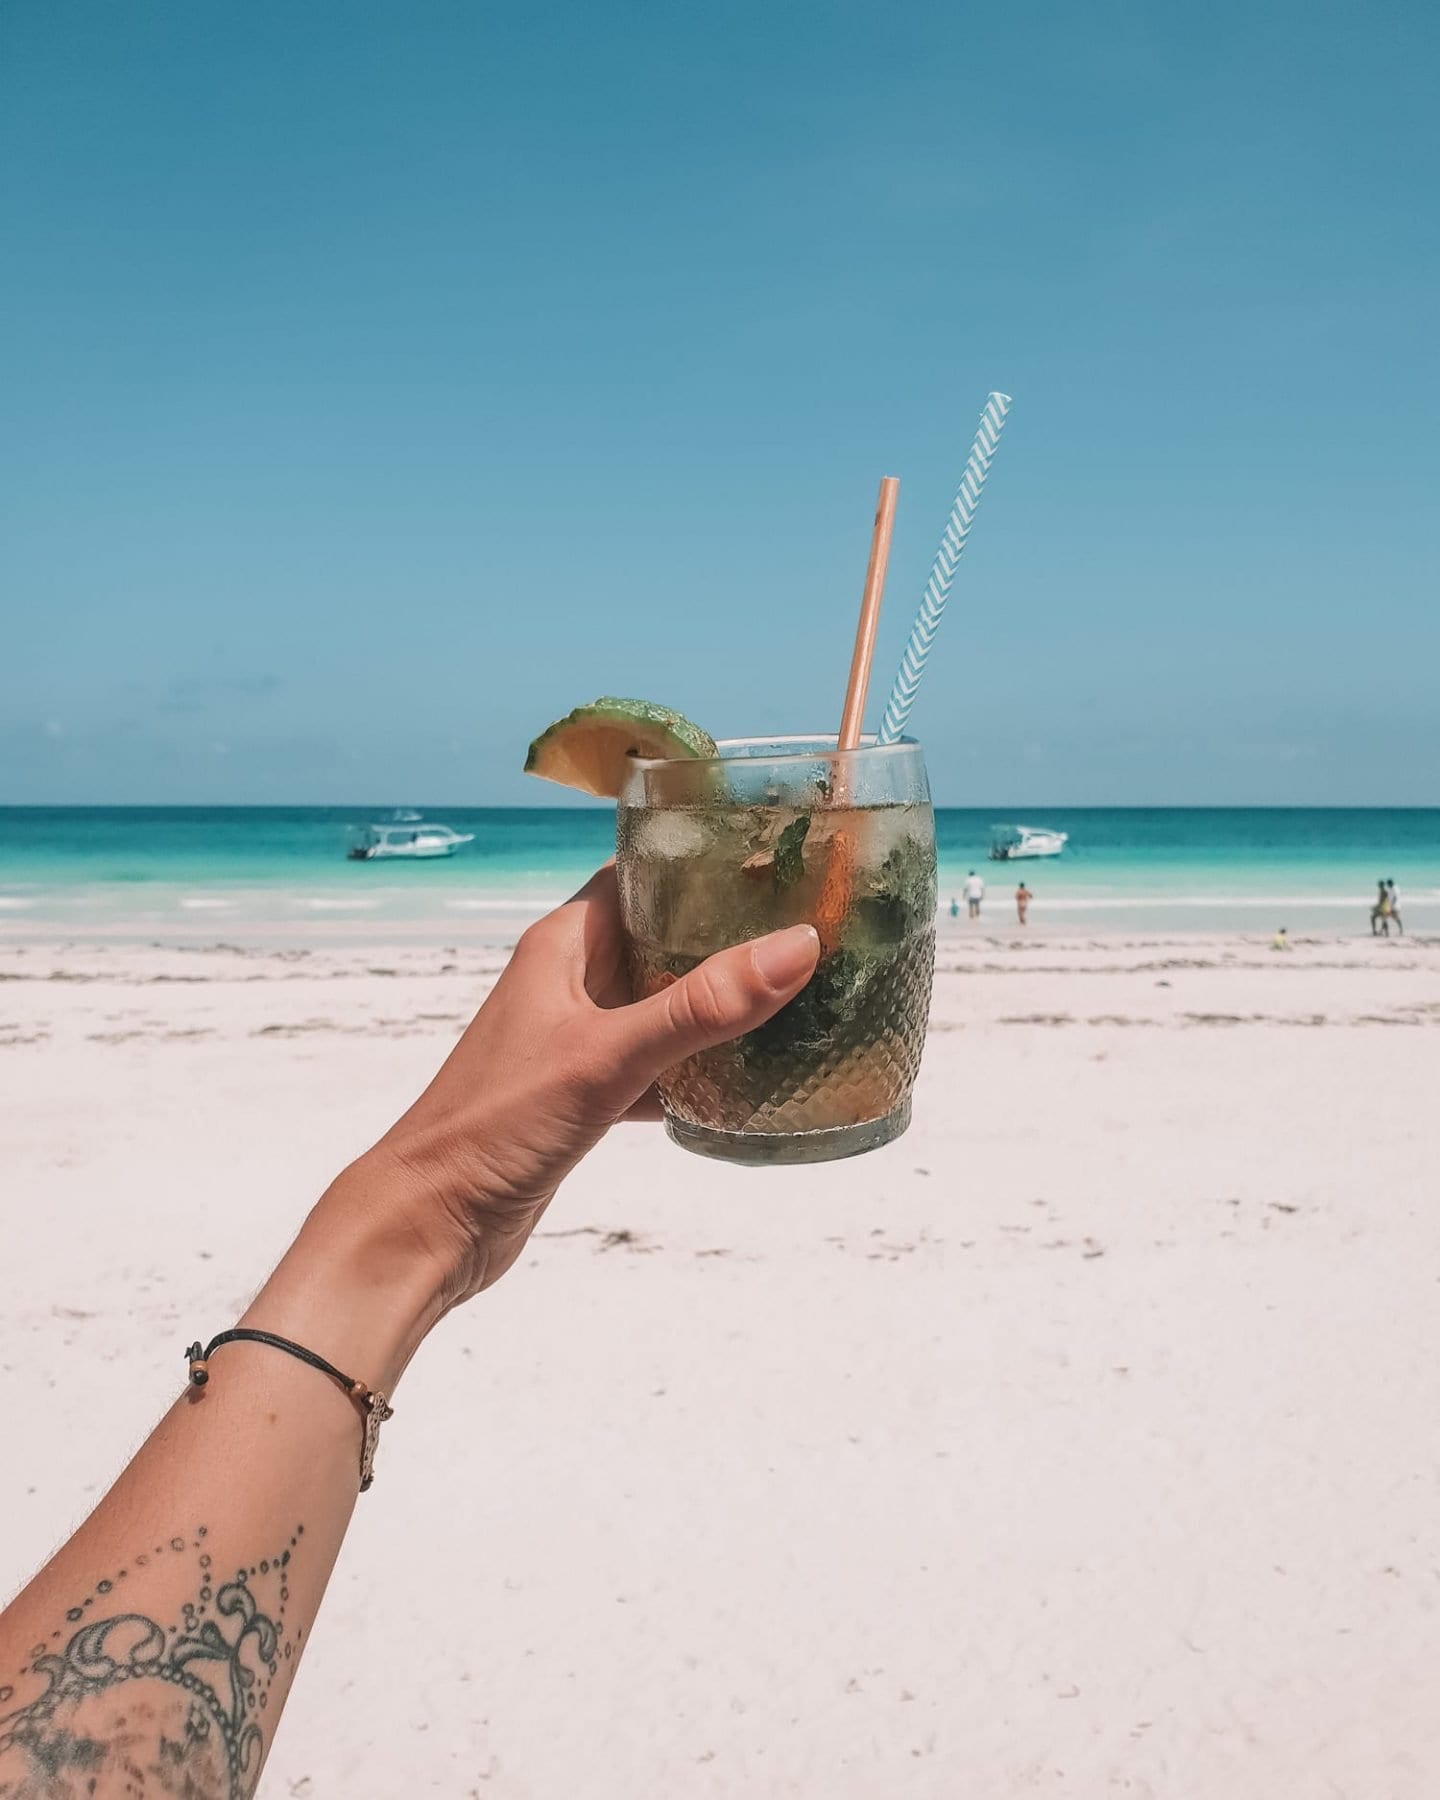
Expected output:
(217, 872)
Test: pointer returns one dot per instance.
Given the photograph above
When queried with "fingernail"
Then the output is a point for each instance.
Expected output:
(784, 956)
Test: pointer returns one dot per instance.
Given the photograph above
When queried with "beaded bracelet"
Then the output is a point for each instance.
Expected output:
(375, 1409)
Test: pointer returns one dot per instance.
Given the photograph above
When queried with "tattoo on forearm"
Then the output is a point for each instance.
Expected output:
(130, 1705)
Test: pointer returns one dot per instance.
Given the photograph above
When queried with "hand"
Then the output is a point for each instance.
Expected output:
(554, 1057)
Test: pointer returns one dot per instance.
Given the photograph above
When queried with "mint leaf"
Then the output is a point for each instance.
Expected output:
(790, 852)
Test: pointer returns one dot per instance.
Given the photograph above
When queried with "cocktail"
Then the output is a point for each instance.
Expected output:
(717, 844)
(769, 833)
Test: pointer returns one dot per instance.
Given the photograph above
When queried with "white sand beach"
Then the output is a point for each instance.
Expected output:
(1083, 1442)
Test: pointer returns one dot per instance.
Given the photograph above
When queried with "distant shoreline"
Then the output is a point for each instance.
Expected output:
(486, 925)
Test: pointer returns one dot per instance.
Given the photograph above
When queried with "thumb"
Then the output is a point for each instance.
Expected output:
(729, 993)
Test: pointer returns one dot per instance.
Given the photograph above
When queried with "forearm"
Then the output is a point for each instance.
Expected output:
(163, 1637)
(155, 1651)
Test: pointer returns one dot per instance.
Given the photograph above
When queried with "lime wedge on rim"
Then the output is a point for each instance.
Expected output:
(590, 748)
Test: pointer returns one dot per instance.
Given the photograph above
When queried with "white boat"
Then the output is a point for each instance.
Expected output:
(1008, 843)
(378, 843)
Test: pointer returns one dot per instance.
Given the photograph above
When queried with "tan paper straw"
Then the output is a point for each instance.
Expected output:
(834, 900)
(864, 655)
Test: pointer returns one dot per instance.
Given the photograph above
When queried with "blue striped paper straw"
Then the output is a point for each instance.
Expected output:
(942, 570)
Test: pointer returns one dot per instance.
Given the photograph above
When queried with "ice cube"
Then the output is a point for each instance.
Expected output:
(669, 836)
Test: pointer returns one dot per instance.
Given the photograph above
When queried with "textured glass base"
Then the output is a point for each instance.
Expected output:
(770, 1149)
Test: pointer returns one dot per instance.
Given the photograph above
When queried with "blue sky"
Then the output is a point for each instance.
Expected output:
(382, 380)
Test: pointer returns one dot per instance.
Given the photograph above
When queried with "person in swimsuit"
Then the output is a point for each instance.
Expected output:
(1380, 913)
(1023, 897)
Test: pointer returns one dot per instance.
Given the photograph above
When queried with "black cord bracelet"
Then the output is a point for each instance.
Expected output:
(375, 1409)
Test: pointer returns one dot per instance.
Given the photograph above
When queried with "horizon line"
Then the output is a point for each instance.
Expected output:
(600, 803)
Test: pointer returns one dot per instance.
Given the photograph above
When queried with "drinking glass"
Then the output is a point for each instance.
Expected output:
(776, 832)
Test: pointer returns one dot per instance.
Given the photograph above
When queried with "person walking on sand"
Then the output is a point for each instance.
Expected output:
(1395, 907)
(1380, 913)
(1023, 897)
(974, 892)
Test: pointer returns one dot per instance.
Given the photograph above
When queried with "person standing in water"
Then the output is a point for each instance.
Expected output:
(954, 907)
(1023, 897)
(974, 892)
